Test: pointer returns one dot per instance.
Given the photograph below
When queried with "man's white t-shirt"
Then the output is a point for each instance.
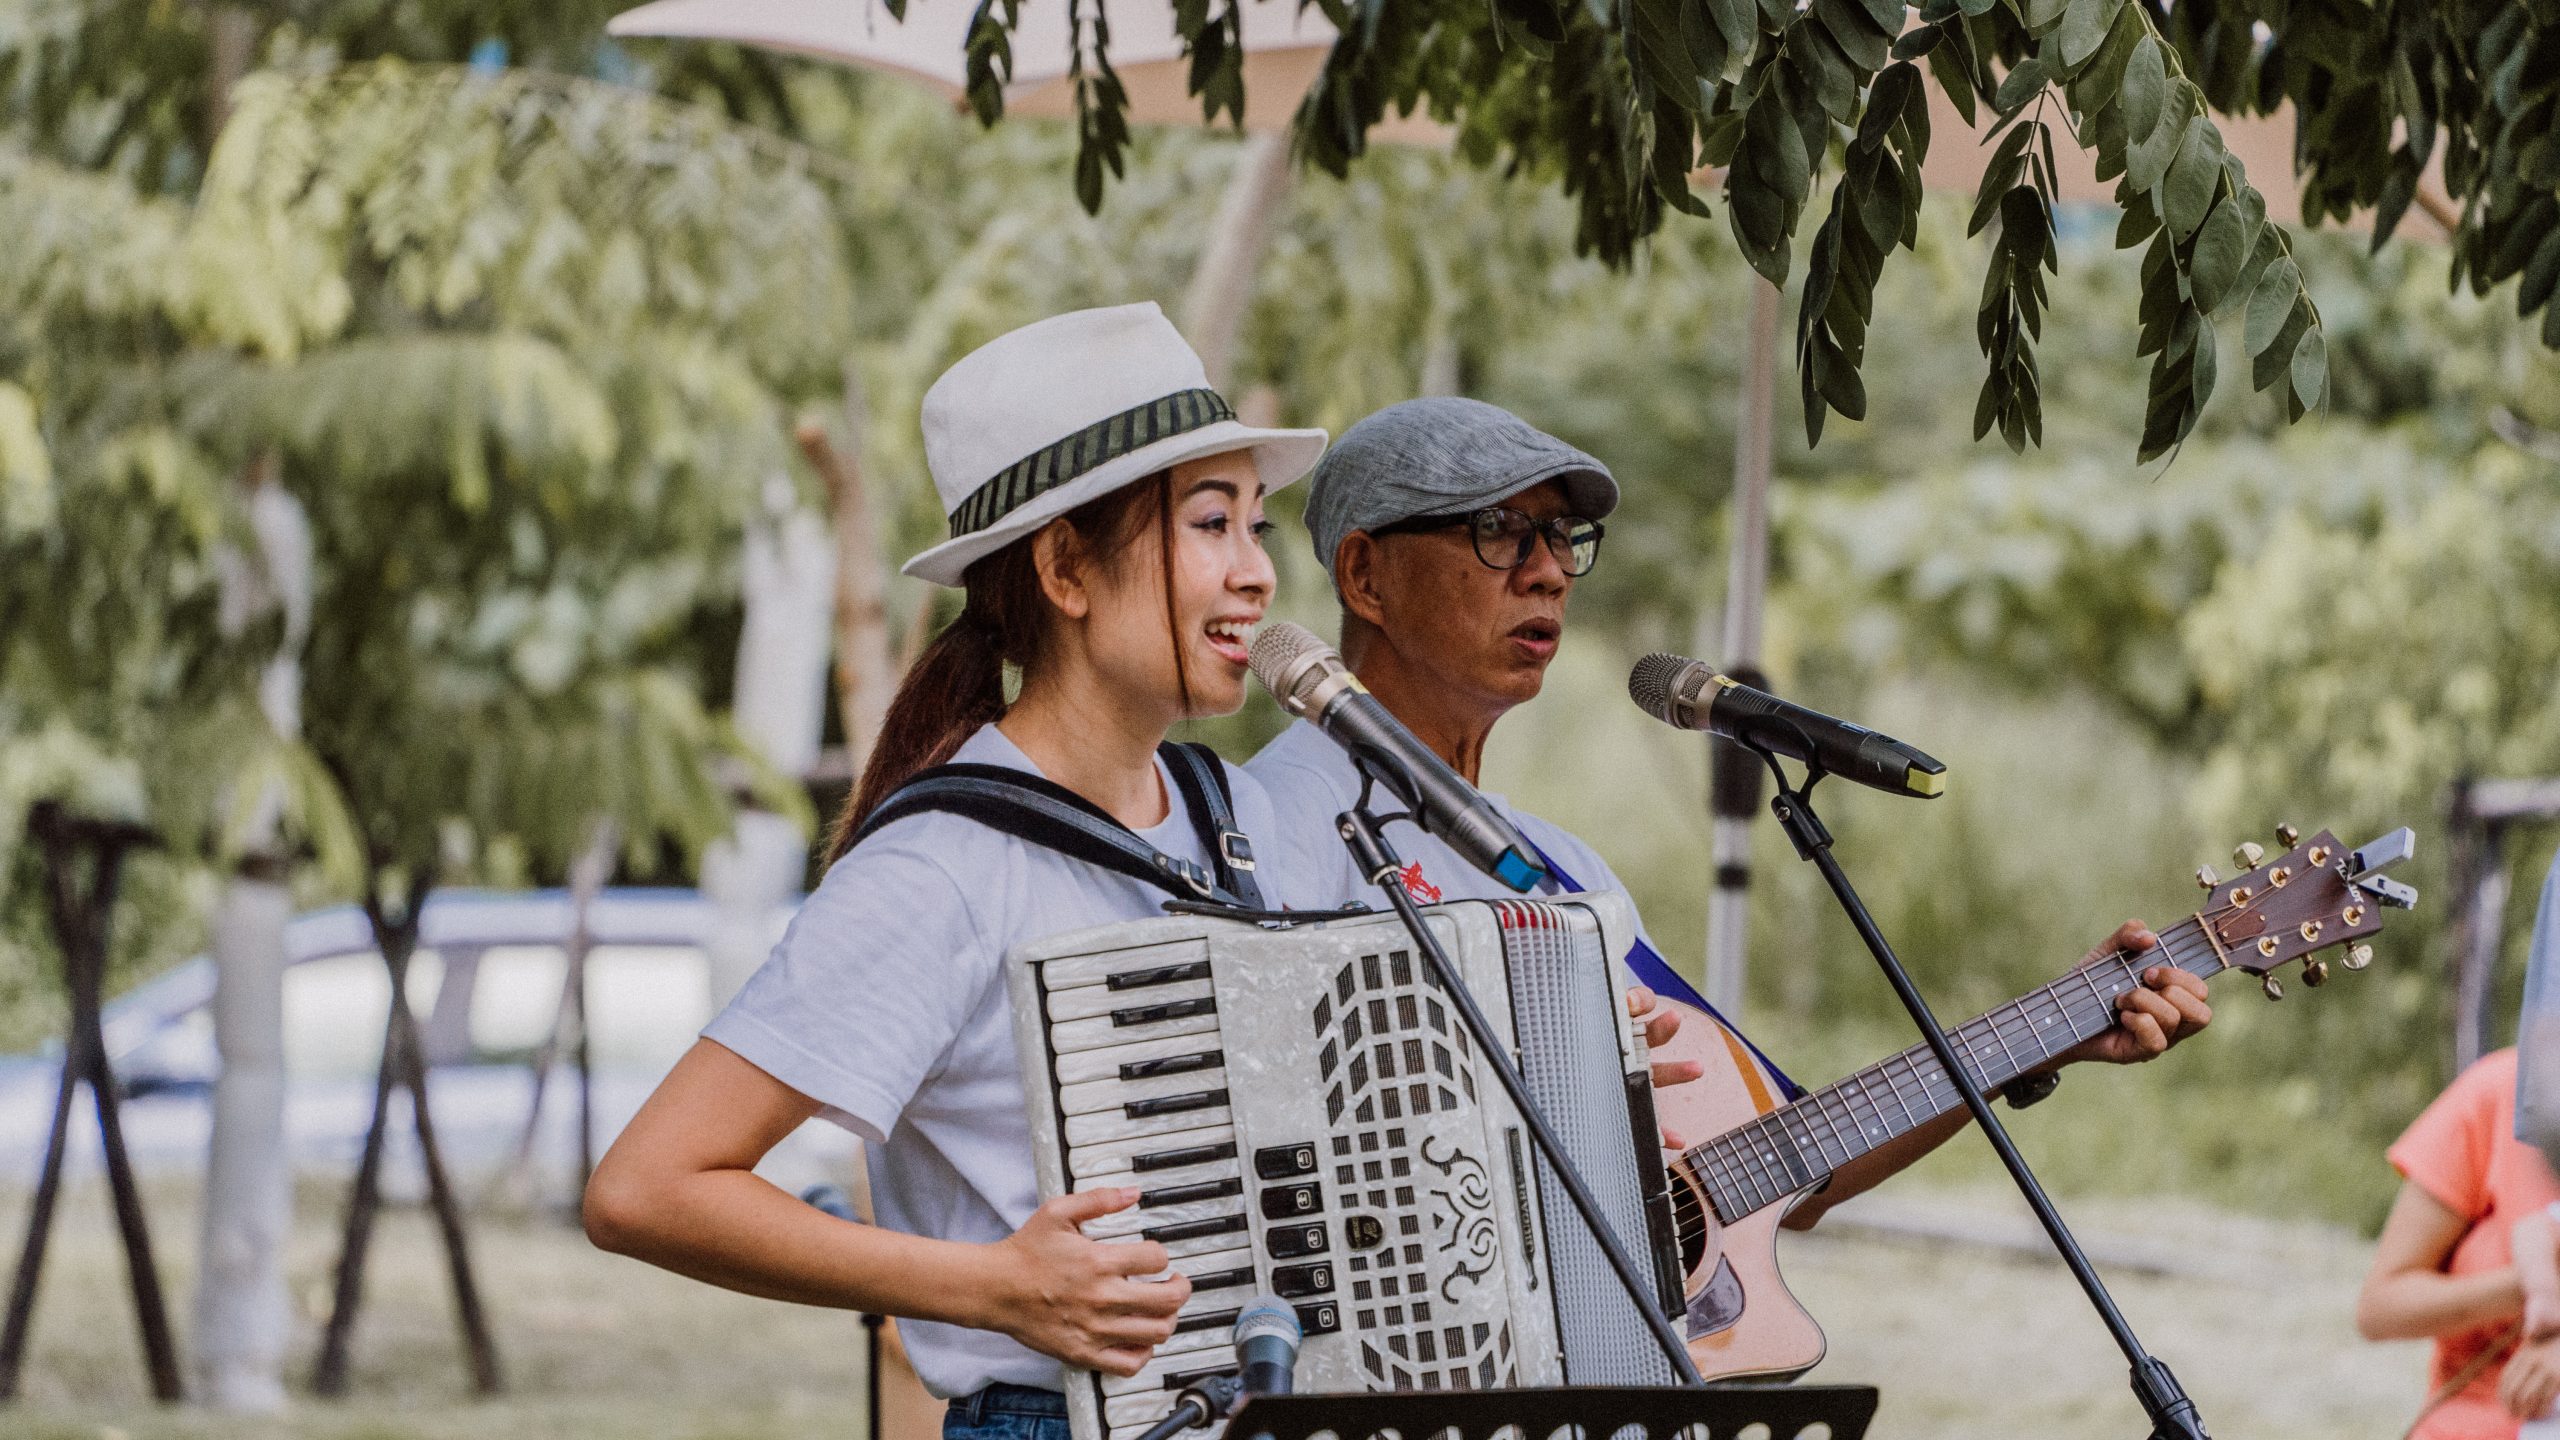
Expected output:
(885, 1002)
(1310, 780)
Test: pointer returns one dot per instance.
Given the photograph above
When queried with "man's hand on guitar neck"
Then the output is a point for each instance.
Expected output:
(2166, 1008)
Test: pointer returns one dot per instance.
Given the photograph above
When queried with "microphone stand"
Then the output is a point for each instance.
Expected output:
(2173, 1415)
(1361, 830)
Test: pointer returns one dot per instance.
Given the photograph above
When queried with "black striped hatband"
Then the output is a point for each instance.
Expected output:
(1088, 449)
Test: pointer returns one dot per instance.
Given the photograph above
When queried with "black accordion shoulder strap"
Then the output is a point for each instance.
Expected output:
(1045, 813)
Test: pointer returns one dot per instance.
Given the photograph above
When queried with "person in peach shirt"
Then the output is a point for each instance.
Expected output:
(2444, 1268)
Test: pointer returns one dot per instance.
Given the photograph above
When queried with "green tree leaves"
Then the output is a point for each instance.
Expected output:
(1874, 208)
(2205, 225)
(1623, 100)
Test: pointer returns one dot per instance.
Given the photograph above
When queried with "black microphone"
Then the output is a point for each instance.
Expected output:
(1310, 681)
(1689, 694)
(1201, 1402)
(1267, 1335)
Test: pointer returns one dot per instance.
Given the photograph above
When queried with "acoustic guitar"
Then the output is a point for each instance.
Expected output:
(1730, 1193)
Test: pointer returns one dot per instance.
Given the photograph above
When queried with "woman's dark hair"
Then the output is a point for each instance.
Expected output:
(957, 684)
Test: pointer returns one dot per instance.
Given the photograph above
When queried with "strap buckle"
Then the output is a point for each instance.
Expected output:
(1238, 850)
(1189, 874)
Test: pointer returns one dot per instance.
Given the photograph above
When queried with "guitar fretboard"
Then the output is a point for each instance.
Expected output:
(1797, 1145)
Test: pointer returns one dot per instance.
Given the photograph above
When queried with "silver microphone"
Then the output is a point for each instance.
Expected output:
(1310, 681)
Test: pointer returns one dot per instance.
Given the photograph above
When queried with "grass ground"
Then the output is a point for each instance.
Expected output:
(1964, 1342)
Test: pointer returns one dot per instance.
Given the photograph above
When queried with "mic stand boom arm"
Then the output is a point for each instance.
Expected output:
(2173, 1415)
(1360, 830)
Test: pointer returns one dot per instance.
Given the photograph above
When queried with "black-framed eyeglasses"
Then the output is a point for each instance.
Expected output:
(1503, 536)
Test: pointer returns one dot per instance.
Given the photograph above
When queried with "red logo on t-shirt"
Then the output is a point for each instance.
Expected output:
(1422, 891)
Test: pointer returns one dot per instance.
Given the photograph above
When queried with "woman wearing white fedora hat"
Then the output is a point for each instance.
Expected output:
(1106, 523)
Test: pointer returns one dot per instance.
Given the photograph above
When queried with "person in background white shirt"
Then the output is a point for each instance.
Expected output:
(1106, 514)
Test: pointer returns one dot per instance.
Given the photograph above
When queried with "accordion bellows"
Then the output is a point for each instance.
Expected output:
(1306, 1116)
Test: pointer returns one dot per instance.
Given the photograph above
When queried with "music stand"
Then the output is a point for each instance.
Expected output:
(1593, 1412)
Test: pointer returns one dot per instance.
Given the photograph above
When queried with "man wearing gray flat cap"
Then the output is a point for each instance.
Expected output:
(1454, 531)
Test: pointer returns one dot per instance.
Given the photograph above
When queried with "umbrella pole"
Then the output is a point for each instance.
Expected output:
(1734, 773)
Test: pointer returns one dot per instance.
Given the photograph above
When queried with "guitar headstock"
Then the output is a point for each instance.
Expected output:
(2316, 896)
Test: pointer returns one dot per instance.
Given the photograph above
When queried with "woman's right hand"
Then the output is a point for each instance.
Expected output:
(1079, 1299)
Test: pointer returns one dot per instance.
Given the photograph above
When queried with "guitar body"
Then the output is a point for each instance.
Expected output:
(1742, 1322)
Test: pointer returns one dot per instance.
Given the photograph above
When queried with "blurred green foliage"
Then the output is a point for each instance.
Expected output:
(529, 347)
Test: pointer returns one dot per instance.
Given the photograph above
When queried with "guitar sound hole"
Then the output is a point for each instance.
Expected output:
(1691, 1218)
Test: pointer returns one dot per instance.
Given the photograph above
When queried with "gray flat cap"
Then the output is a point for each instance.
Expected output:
(1442, 455)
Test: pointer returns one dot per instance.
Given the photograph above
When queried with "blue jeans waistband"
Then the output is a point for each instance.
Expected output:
(1003, 1398)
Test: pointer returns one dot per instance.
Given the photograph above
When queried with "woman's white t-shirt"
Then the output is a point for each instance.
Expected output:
(885, 1003)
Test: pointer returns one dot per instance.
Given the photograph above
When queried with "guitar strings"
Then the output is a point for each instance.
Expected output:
(2183, 946)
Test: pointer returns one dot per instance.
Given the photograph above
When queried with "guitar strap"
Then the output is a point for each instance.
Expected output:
(1656, 974)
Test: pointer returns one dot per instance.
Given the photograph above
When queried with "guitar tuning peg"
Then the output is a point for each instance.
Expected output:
(2206, 878)
(2359, 956)
(2316, 974)
(2248, 853)
(2287, 836)
(2273, 987)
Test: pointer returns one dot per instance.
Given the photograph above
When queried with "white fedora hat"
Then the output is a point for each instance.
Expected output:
(1042, 419)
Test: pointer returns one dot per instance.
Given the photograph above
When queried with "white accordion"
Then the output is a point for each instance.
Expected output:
(1306, 1116)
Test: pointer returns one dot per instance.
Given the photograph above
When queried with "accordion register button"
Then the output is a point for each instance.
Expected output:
(1289, 1202)
(1293, 1282)
(1322, 1318)
(1363, 1232)
(1288, 1242)
(1281, 1162)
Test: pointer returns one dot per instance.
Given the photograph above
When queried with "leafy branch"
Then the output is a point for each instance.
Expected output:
(1622, 102)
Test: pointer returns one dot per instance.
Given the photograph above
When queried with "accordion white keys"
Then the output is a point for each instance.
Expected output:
(1305, 1115)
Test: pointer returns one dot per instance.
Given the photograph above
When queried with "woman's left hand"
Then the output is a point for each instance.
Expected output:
(2167, 1007)
(2532, 1380)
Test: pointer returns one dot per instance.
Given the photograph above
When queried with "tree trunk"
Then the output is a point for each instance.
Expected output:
(243, 1315)
(1213, 310)
(780, 711)
(866, 669)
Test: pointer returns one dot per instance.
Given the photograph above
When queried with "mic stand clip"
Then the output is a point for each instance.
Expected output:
(1361, 830)
(2173, 1415)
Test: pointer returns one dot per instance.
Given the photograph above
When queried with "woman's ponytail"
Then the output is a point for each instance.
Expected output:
(955, 686)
